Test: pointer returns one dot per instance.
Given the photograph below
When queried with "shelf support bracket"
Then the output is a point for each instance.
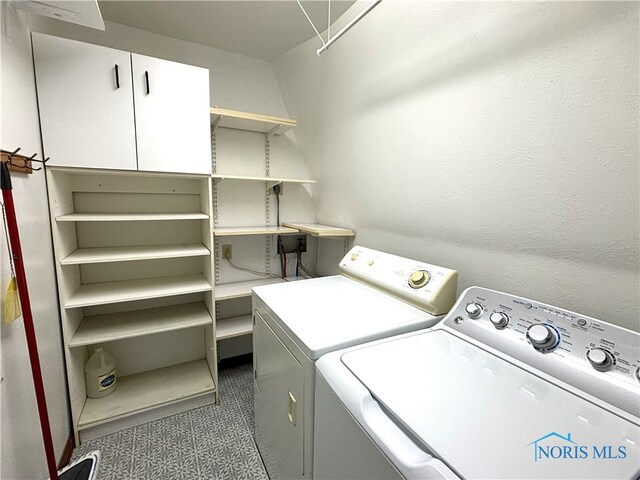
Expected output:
(273, 131)
(216, 122)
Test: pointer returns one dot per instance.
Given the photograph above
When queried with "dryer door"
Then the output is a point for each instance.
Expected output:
(279, 403)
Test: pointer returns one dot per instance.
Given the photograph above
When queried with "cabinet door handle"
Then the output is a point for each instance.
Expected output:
(146, 78)
(117, 76)
(293, 409)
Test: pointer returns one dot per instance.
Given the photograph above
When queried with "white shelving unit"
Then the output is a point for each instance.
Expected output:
(241, 231)
(270, 181)
(129, 217)
(234, 327)
(118, 326)
(120, 291)
(84, 256)
(318, 230)
(253, 122)
(135, 276)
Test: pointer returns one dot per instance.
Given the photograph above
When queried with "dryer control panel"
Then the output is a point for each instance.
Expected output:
(428, 287)
(598, 357)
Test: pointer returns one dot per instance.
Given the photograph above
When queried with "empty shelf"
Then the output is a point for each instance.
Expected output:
(237, 231)
(117, 326)
(129, 217)
(274, 180)
(126, 254)
(145, 391)
(318, 230)
(254, 122)
(130, 290)
(234, 327)
(228, 291)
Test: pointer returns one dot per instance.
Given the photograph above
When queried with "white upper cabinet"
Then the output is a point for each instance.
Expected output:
(85, 100)
(105, 108)
(172, 116)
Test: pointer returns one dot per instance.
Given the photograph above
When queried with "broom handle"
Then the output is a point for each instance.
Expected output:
(14, 238)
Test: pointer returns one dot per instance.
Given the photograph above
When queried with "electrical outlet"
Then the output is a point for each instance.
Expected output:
(226, 252)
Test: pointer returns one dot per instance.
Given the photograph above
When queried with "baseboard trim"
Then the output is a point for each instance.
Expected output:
(65, 458)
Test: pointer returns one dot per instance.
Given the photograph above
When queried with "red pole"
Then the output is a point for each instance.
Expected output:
(21, 277)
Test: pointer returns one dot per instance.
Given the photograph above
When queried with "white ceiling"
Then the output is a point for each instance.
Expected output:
(261, 29)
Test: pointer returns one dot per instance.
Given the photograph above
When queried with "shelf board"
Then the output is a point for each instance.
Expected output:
(131, 290)
(126, 254)
(129, 217)
(148, 390)
(271, 180)
(317, 230)
(237, 231)
(228, 291)
(234, 327)
(117, 326)
(253, 122)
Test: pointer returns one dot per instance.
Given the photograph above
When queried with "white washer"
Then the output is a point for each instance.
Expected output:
(503, 387)
(376, 296)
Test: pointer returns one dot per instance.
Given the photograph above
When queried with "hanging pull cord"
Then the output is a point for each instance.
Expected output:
(311, 23)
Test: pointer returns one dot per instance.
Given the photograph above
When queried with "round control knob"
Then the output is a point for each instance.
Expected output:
(638, 374)
(543, 337)
(474, 310)
(419, 279)
(354, 256)
(600, 359)
(499, 320)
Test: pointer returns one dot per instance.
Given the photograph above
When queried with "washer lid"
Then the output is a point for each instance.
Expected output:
(325, 314)
(487, 418)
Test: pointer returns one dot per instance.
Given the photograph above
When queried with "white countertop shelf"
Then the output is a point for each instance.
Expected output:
(125, 254)
(253, 122)
(317, 230)
(129, 217)
(117, 326)
(131, 290)
(238, 231)
(234, 327)
(271, 180)
(228, 291)
(144, 391)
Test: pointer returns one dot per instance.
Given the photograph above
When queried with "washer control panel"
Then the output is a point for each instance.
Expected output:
(429, 287)
(562, 343)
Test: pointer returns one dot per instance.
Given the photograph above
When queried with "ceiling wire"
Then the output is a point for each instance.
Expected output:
(347, 27)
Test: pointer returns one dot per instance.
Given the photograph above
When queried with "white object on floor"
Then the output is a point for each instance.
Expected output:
(503, 387)
(378, 295)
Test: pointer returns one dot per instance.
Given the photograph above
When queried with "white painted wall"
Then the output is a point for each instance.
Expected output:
(500, 139)
(21, 452)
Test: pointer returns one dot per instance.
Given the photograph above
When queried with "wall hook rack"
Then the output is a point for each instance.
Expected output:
(20, 163)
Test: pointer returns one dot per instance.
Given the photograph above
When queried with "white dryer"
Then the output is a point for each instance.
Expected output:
(377, 295)
(503, 388)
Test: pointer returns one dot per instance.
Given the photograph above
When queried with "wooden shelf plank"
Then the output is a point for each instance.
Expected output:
(117, 326)
(221, 176)
(234, 327)
(317, 230)
(126, 254)
(131, 290)
(144, 391)
(254, 122)
(129, 217)
(228, 291)
(237, 231)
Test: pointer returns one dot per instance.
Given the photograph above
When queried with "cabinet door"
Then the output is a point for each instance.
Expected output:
(279, 405)
(85, 100)
(172, 116)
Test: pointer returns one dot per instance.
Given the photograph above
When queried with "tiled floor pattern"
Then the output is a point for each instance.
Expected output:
(212, 442)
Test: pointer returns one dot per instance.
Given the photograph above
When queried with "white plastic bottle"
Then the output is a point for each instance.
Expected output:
(100, 374)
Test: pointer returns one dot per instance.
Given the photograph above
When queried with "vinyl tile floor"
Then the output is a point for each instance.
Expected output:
(211, 442)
